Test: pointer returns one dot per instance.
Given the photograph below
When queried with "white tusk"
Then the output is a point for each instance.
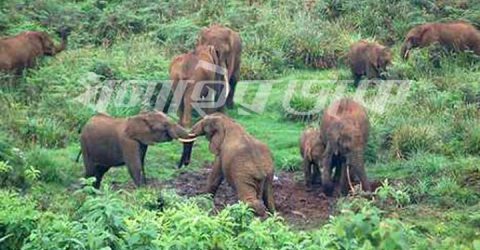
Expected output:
(187, 140)
(192, 135)
(227, 85)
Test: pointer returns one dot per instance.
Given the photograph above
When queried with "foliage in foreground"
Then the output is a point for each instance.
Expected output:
(147, 220)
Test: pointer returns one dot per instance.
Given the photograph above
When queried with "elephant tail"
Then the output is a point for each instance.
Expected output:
(78, 156)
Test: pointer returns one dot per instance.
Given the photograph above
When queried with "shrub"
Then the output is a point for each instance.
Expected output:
(18, 218)
(407, 140)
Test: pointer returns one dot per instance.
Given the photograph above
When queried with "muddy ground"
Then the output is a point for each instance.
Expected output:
(300, 208)
(297, 206)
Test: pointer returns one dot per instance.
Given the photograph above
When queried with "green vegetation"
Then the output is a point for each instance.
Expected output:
(426, 150)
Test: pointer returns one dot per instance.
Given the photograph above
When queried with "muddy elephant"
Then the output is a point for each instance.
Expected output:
(229, 44)
(311, 150)
(344, 130)
(368, 59)
(22, 51)
(110, 142)
(245, 162)
(454, 36)
(196, 71)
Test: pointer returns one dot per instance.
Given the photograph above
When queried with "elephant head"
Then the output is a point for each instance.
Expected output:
(382, 58)
(48, 47)
(218, 67)
(416, 37)
(153, 127)
(214, 128)
(340, 138)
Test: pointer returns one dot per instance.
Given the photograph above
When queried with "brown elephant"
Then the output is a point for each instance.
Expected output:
(344, 130)
(229, 45)
(454, 36)
(192, 69)
(21, 51)
(368, 59)
(311, 150)
(109, 142)
(244, 161)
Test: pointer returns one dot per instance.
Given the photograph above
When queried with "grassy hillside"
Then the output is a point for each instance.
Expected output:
(425, 150)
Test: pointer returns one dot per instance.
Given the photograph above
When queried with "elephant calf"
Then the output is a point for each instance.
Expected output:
(109, 142)
(311, 149)
(244, 161)
(21, 51)
(368, 59)
(344, 129)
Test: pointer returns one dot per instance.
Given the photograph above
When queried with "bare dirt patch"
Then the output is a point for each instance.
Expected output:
(297, 206)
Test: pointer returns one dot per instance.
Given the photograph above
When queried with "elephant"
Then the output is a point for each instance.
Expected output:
(191, 69)
(21, 51)
(244, 161)
(229, 44)
(368, 59)
(311, 150)
(344, 130)
(110, 142)
(454, 36)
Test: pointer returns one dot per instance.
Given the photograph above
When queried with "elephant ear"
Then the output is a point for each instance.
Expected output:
(215, 131)
(47, 44)
(383, 58)
(139, 129)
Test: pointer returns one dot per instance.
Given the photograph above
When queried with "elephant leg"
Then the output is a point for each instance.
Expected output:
(267, 194)
(233, 84)
(143, 152)
(356, 80)
(326, 174)
(316, 174)
(307, 173)
(131, 155)
(341, 187)
(101, 170)
(91, 171)
(186, 118)
(215, 178)
(249, 194)
(360, 173)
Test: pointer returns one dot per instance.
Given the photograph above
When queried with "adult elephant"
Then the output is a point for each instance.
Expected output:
(344, 129)
(191, 74)
(368, 59)
(244, 161)
(109, 142)
(454, 36)
(229, 45)
(21, 51)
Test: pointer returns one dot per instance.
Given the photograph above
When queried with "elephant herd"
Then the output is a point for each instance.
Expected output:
(370, 59)
(333, 154)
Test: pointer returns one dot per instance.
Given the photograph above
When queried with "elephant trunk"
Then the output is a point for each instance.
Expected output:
(197, 129)
(63, 33)
(182, 135)
(355, 161)
(405, 50)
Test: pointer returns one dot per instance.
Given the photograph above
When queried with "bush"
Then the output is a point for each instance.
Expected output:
(408, 140)
(18, 218)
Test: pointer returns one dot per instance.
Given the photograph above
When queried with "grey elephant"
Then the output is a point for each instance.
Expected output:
(110, 142)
